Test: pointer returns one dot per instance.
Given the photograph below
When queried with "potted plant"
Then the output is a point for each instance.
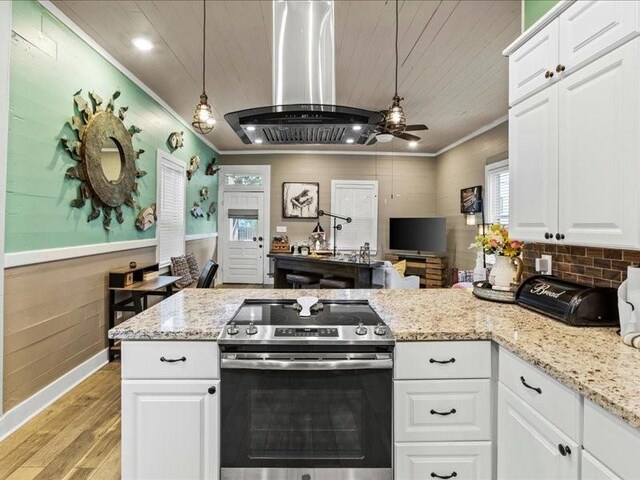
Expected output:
(507, 270)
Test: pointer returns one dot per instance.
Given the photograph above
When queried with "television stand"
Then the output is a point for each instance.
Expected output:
(432, 269)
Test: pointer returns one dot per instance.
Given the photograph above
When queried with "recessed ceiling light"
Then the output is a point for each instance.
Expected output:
(142, 44)
(349, 140)
(357, 128)
(251, 129)
(258, 140)
(413, 144)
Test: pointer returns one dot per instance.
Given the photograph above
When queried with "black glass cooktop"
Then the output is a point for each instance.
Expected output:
(325, 312)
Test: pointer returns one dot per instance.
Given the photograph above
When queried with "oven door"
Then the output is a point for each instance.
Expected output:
(306, 416)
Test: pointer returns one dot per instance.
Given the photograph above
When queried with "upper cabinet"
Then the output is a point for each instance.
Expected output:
(580, 34)
(531, 66)
(573, 142)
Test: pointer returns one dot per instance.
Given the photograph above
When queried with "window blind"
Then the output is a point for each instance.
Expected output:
(171, 209)
(358, 200)
(498, 194)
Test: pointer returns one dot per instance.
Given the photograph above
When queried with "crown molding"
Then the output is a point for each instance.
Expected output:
(325, 152)
(477, 133)
(56, 12)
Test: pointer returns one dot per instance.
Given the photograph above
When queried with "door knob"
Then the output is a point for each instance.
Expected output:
(548, 74)
(559, 236)
(254, 239)
(548, 235)
(560, 68)
(260, 238)
(260, 246)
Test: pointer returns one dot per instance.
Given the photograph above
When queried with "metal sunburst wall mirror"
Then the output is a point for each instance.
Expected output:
(106, 160)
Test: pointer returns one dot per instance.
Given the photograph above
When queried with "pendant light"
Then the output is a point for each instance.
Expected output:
(203, 120)
(395, 120)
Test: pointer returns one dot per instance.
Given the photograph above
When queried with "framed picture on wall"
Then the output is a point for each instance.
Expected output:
(300, 200)
(471, 199)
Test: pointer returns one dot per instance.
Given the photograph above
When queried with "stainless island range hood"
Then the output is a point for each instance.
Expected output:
(304, 110)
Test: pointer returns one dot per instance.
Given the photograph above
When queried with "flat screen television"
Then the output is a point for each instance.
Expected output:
(422, 235)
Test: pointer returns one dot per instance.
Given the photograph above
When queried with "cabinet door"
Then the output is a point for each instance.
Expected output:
(170, 429)
(529, 63)
(592, 469)
(528, 445)
(599, 151)
(533, 166)
(428, 461)
(591, 27)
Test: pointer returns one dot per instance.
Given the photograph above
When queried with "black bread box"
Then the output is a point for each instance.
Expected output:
(568, 302)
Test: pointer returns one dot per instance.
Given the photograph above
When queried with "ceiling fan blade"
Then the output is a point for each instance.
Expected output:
(407, 136)
(373, 141)
(415, 128)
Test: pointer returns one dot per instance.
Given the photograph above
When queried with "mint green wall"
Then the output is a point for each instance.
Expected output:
(534, 9)
(44, 76)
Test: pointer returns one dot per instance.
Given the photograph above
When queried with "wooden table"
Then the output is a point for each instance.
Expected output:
(137, 301)
(360, 272)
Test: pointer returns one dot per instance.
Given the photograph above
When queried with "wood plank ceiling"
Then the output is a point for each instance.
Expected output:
(452, 74)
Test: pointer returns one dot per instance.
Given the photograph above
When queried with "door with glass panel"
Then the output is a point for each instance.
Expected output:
(244, 237)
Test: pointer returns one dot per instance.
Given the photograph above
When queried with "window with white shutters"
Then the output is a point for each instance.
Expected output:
(357, 199)
(497, 193)
(170, 208)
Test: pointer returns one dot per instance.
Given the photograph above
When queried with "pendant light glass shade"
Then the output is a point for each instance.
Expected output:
(395, 121)
(203, 120)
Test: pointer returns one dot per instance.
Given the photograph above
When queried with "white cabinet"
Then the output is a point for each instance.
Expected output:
(590, 27)
(533, 166)
(442, 410)
(170, 429)
(462, 461)
(599, 150)
(529, 446)
(532, 65)
(592, 469)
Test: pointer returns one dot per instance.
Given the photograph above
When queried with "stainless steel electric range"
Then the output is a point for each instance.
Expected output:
(306, 391)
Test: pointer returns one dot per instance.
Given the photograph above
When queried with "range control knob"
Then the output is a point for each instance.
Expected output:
(361, 329)
(252, 329)
(380, 329)
(232, 329)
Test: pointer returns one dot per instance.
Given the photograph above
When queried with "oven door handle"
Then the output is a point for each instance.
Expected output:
(262, 364)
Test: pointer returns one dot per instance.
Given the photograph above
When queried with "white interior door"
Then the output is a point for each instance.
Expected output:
(244, 237)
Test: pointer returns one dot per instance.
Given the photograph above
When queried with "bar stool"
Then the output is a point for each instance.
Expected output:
(302, 280)
(336, 282)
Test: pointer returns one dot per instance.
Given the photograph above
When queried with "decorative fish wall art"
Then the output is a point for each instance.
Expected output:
(146, 218)
(204, 193)
(212, 168)
(197, 211)
(213, 207)
(175, 140)
(194, 164)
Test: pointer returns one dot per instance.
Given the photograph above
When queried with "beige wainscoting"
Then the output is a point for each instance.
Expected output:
(56, 315)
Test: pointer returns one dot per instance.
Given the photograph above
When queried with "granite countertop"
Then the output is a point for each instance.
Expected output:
(592, 361)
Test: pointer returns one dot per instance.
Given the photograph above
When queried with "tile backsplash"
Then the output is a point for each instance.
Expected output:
(603, 267)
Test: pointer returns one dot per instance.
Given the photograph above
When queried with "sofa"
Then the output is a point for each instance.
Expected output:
(389, 277)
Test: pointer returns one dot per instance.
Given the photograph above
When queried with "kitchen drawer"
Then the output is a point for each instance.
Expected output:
(592, 27)
(557, 403)
(612, 441)
(442, 410)
(459, 460)
(529, 64)
(426, 360)
(152, 360)
(592, 469)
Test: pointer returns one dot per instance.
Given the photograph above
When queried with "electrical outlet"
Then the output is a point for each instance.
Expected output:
(119, 315)
(544, 264)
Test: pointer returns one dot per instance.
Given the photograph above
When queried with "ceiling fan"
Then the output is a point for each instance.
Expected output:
(394, 122)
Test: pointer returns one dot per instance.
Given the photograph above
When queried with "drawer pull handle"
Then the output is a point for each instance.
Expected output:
(564, 450)
(173, 360)
(435, 475)
(442, 362)
(450, 412)
(536, 389)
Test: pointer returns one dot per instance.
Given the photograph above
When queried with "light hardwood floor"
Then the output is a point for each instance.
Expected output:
(76, 438)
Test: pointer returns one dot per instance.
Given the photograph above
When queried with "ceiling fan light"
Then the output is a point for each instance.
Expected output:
(384, 137)
(203, 120)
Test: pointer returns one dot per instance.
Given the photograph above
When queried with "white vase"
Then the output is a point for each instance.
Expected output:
(506, 272)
